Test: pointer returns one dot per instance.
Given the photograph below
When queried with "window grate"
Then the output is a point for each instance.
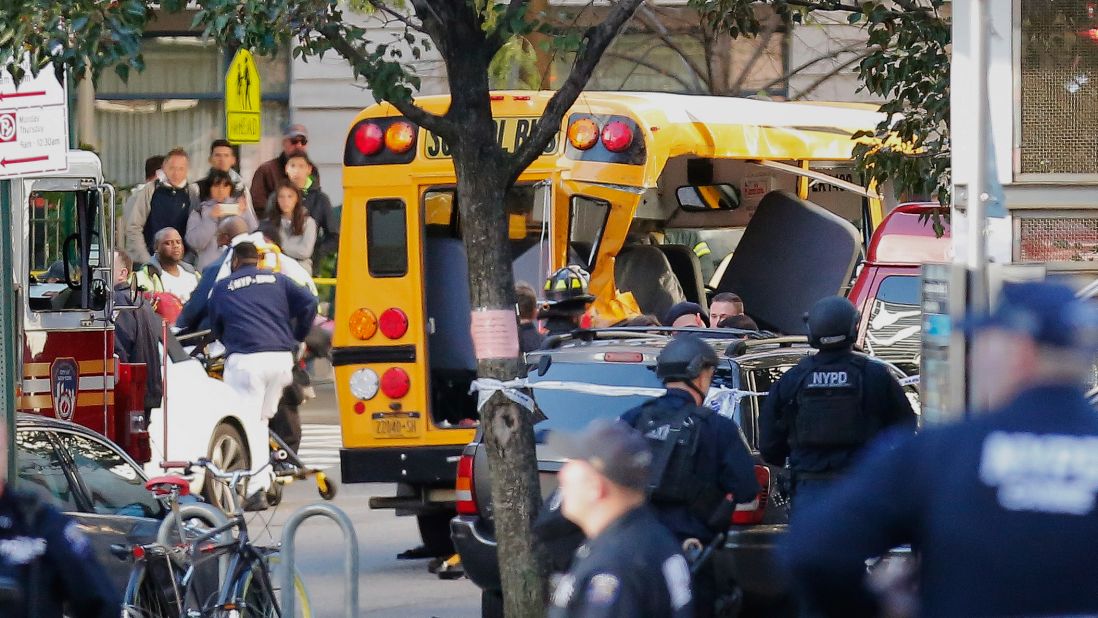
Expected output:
(1058, 239)
(1059, 87)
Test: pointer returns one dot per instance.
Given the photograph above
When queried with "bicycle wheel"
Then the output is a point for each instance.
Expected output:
(258, 597)
(151, 594)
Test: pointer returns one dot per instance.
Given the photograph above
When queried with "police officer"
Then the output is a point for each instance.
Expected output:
(1002, 505)
(260, 317)
(699, 457)
(630, 565)
(822, 412)
(566, 299)
(46, 562)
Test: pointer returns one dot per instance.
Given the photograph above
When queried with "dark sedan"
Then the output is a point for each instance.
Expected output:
(92, 480)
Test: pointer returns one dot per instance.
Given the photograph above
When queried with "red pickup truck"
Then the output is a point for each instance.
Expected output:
(886, 290)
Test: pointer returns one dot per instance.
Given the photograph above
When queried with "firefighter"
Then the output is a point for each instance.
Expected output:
(630, 564)
(701, 462)
(1002, 506)
(822, 412)
(47, 566)
(566, 299)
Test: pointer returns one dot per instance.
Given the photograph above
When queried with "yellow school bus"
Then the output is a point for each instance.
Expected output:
(402, 351)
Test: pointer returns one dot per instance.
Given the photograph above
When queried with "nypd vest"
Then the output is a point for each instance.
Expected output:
(830, 410)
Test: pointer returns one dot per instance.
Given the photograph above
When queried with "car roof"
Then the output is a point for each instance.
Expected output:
(592, 345)
(24, 420)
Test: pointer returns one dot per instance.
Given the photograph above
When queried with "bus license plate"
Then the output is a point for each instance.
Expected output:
(402, 426)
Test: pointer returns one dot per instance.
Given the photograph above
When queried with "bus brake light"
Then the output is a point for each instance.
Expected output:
(395, 383)
(369, 139)
(583, 134)
(617, 136)
(393, 323)
(400, 137)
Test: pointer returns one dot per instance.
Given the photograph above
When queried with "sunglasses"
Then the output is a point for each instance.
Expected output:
(301, 141)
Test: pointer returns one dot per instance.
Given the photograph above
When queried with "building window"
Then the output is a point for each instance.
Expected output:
(178, 101)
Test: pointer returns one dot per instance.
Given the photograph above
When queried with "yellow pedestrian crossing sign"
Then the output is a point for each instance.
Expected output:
(243, 107)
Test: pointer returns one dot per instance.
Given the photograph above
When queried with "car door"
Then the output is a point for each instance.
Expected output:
(115, 507)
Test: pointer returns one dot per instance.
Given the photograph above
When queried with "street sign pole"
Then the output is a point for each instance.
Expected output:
(979, 190)
(7, 324)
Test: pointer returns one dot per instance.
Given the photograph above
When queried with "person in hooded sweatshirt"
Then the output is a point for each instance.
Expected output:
(165, 202)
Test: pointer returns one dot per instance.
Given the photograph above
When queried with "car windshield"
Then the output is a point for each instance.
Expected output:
(572, 411)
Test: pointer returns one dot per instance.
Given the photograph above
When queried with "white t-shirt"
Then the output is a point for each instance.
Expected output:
(181, 285)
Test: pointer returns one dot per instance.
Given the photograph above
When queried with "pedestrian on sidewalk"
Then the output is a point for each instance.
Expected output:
(223, 159)
(267, 176)
(202, 224)
(167, 202)
(301, 172)
(296, 229)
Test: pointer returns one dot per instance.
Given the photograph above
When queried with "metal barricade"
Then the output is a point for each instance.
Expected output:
(350, 556)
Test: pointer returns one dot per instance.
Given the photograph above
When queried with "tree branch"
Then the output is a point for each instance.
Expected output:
(641, 62)
(832, 73)
(363, 66)
(762, 40)
(818, 59)
(644, 13)
(383, 8)
(596, 41)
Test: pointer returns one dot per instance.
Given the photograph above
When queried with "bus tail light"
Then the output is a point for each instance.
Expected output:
(363, 323)
(369, 139)
(466, 492)
(617, 136)
(583, 134)
(752, 512)
(400, 137)
(364, 383)
(395, 383)
(393, 323)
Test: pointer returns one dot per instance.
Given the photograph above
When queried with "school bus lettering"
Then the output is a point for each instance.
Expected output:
(511, 134)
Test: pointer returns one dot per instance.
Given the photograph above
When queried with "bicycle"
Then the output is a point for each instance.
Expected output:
(174, 577)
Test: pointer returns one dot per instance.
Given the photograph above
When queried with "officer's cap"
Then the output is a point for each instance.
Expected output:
(1048, 312)
(680, 309)
(614, 449)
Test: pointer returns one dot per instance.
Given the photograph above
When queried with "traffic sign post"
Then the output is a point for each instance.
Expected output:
(34, 125)
(243, 100)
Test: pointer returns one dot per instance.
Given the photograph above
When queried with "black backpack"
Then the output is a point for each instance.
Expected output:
(829, 409)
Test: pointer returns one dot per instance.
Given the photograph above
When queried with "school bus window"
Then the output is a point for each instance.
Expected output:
(524, 205)
(587, 220)
(386, 238)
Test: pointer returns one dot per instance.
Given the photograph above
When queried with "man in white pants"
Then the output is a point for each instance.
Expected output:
(260, 317)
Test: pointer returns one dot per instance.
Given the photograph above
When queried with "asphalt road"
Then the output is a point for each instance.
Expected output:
(387, 586)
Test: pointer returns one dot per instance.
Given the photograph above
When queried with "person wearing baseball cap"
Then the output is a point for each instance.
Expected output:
(630, 565)
(295, 140)
(1002, 506)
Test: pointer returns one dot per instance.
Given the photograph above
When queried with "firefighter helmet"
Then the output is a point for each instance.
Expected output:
(568, 284)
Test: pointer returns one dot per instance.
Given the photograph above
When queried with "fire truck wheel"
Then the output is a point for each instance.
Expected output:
(228, 451)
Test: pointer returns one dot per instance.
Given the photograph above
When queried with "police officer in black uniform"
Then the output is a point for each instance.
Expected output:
(700, 458)
(566, 298)
(1003, 506)
(47, 568)
(630, 565)
(822, 412)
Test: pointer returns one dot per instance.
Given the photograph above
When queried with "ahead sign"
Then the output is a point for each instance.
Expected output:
(34, 125)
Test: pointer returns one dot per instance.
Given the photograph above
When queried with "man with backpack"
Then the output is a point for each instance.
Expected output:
(701, 465)
(822, 412)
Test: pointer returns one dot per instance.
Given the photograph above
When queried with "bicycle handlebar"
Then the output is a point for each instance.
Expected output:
(235, 476)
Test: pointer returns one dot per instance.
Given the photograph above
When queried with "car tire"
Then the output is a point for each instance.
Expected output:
(491, 604)
(229, 452)
(434, 529)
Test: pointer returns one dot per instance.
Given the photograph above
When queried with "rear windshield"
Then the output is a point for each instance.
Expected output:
(571, 411)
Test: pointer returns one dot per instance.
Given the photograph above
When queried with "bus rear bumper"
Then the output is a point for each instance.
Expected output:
(413, 465)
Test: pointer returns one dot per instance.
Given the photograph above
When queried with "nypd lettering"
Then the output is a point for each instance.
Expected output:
(250, 280)
(828, 379)
(1041, 473)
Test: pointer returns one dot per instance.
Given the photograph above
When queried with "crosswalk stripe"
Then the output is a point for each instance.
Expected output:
(320, 445)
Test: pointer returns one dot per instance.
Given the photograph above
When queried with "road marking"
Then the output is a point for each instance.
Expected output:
(320, 446)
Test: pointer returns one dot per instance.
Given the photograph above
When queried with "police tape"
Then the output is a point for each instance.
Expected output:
(723, 400)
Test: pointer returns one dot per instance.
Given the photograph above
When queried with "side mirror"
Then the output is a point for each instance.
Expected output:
(707, 198)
